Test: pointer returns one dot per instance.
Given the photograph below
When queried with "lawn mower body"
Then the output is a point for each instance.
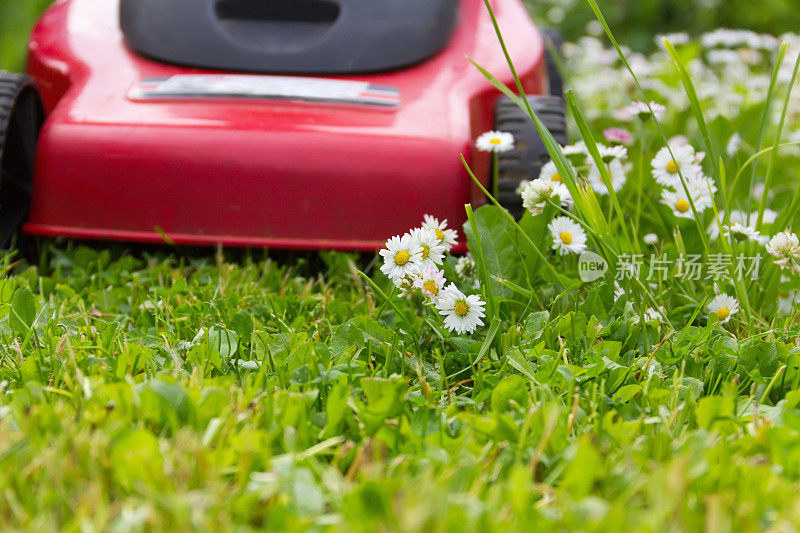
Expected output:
(139, 149)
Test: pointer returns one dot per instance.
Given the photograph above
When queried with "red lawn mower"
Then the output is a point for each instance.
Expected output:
(282, 123)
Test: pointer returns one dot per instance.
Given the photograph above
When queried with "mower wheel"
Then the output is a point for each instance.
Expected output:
(21, 118)
(525, 160)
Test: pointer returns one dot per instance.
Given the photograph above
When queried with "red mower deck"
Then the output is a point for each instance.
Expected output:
(134, 149)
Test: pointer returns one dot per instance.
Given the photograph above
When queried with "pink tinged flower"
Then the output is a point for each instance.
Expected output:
(678, 140)
(431, 282)
(643, 110)
(623, 115)
(618, 135)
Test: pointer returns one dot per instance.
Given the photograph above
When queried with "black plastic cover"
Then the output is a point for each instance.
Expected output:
(289, 36)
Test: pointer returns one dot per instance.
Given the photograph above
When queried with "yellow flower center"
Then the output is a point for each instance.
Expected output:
(672, 167)
(723, 313)
(402, 257)
(557, 178)
(566, 238)
(425, 250)
(461, 308)
(495, 140)
(431, 287)
(439, 234)
(682, 205)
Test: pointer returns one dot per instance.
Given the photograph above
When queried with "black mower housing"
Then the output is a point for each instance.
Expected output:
(289, 36)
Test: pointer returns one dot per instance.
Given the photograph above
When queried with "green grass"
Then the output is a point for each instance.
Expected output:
(124, 405)
(127, 404)
(16, 21)
(637, 23)
(163, 391)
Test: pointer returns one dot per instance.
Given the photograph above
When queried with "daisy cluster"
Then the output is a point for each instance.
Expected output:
(550, 183)
(731, 73)
(568, 235)
(677, 168)
(412, 261)
(681, 160)
(683, 186)
(730, 69)
(670, 163)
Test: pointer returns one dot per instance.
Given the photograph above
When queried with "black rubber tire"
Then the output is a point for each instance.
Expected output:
(553, 42)
(21, 119)
(525, 161)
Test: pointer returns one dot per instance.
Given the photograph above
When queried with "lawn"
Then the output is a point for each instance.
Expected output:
(162, 390)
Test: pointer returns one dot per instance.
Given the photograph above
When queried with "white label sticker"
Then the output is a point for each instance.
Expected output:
(188, 86)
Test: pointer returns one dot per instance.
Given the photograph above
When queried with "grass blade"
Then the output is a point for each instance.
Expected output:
(771, 165)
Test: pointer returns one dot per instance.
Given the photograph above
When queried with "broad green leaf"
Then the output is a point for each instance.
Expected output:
(23, 311)
(242, 324)
(223, 341)
(511, 388)
(628, 392)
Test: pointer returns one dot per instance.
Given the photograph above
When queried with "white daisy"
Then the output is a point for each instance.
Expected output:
(432, 249)
(401, 257)
(447, 237)
(676, 39)
(737, 39)
(785, 247)
(724, 307)
(769, 217)
(701, 190)
(465, 267)
(618, 135)
(650, 239)
(617, 171)
(704, 183)
(679, 203)
(757, 192)
(665, 168)
(622, 115)
(495, 141)
(568, 236)
(677, 140)
(462, 314)
(734, 144)
(723, 58)
(431, 281)
(576, 153)
(610, 153)
(579, 148)
(653, 315)
(549, 172)
(404, 285)
(536, 194)
(787, 301)
(735, 216)
(641, 110)
(739, 233)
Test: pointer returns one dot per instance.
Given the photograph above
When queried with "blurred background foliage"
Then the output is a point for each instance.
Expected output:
(17, 17)
(634, 22)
